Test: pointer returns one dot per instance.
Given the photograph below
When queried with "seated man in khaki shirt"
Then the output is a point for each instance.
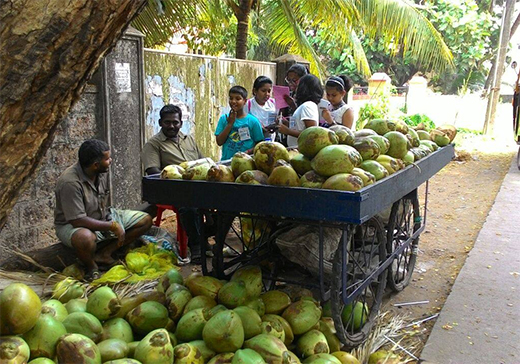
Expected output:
(82, 217)
(171, 146)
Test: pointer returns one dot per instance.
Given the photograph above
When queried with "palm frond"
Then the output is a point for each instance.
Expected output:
(398, 22)
(178, 14)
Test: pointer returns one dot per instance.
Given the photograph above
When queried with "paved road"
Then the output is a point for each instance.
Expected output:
(480, 322)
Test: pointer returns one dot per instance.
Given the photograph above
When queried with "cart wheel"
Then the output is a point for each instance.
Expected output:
(246, 243)
(365, 251)
(404, 220)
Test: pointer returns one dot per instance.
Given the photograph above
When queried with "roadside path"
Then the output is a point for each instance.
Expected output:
(480, 321)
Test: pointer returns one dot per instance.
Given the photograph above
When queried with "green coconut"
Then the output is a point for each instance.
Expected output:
(118, 328)
(205, 286)
(129, 303)
(311, 179)
(13, 350)
(270, 348)
(288, 333)
(251, 321)
(155, 348)
(174, 287)
(220, 173)
(251, 275)
(224, 332)
(315, 138)
(336, 159)
(375, 168)
(283, 175)
(55, 309)
(301, 163)
(258, 305)
(328, 329)
(384, 144)
(148, 316)
(409, 158)
(275, 301)
(312, 342)
(274, 328)
(206, 352)
(383, 357)
(290, 358)
(380, 126)
(398, 144)
(431, 145)
(191, 324)
(367, 177)
(67, 289)
(322, 358)
(252, 177)
(242, 162)
(197, 173)
(413, 137)
(123, 361)
(77, 349)
(233, 294)
(344, 134)
(112, 349)
(171, 276)
(176, 301)
(85, 324)
(42, 360)
(20, 308)
(215, 310)
(224, 358)
(302, 316)
(423, 135)
(346, 358)
(44, 336)
(76, 305)
(199, 302)
(368, 148)
(391, 164)
(266, 154)
(247, 356)
(343, 182)
(361, 133)
(355, 318)
(187, 354)
(103, 303)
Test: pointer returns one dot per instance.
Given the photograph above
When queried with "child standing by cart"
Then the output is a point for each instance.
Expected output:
(339, 112)
(237, 131)
(262, 105)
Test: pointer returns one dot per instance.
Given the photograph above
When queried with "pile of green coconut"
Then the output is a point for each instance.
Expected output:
(333, 158)
(199, 319)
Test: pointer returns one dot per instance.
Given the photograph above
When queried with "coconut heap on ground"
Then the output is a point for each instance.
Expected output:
(197, 320)
(334, 158)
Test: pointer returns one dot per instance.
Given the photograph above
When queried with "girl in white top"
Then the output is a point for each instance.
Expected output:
(308, 95)
(262, 105)
(339, 112)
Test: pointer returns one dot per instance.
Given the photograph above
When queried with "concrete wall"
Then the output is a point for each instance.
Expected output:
(199, 85)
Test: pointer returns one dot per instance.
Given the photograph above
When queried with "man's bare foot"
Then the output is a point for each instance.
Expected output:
(106, 261)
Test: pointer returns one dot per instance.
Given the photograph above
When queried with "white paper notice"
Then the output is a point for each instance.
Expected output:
(123, 78)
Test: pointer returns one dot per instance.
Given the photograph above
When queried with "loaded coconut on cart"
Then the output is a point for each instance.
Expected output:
(317, 235)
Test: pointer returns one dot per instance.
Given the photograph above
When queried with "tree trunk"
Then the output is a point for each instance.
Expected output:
(242, 12)
(489, 122)
(48, 51)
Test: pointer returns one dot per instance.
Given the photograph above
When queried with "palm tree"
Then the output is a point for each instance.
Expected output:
(288, 23)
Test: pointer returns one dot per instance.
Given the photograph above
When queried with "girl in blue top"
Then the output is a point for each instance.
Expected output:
(237, 131)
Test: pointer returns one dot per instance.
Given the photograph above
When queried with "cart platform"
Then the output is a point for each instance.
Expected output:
(295, 202)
